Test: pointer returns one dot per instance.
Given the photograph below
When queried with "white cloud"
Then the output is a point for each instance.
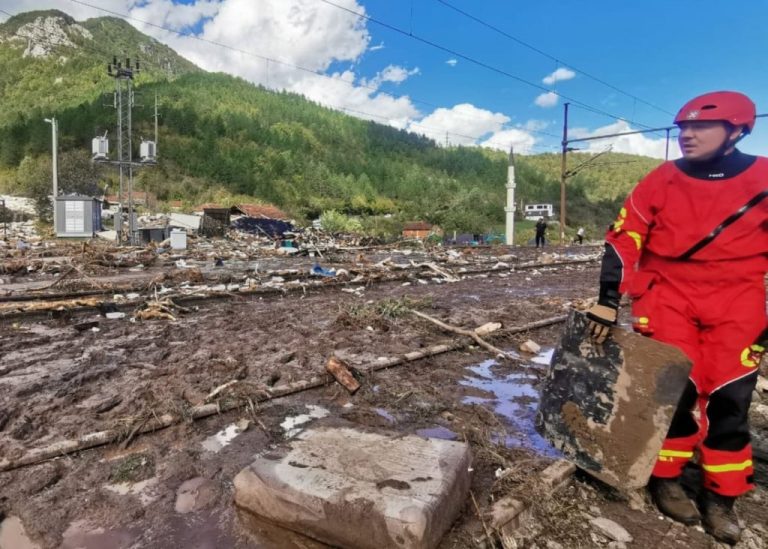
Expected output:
(176, 16)
(392, 73)
(294, 33)
(338, 91)
(464, 123)
(546, 100)
(640, 143)
(303, 33)
(535, 125)
(559, 75)
(452, 62)
(522, 141)
(468, 125)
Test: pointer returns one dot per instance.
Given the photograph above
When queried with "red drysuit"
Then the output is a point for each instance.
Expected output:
(690, 247)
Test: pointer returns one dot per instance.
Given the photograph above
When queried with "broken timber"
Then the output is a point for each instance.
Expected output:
(510, 513)
(100, 438)
(341, 372)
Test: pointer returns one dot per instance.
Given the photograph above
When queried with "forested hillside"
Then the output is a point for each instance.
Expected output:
(221, 136)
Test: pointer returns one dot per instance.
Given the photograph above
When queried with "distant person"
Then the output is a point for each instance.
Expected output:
(690, 248)
(541, 230)
(579, 236)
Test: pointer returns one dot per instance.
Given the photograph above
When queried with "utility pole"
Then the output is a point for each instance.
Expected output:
(156, 119)
(123, 76)
(563, 174)
(55, 149)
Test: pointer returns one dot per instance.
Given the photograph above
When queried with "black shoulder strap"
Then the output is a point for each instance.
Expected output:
(729, 221)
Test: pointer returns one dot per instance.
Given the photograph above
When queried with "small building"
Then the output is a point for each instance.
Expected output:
(417, 229)
(215, 221)
(77, 216)
(188, 222)
(145, 235)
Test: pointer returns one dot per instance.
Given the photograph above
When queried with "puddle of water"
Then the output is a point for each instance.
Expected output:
(216, 442)
(13, 535)
(438, 431)
(515, 399)
(386, 415)
(291, 424)
(142, 490)
(83, 535)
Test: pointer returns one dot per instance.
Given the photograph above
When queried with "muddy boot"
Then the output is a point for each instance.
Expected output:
(671, 499)
(719, 517)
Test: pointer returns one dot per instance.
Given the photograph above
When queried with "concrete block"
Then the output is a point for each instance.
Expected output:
(355, 489)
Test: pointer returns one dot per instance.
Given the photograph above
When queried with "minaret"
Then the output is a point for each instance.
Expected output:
(510, 208)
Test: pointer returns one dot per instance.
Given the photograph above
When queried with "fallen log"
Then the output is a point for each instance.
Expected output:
(100, 438)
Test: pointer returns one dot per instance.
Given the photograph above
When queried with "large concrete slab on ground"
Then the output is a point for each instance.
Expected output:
(350, 488)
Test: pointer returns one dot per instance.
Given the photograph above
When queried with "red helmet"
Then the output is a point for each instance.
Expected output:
(728, 106)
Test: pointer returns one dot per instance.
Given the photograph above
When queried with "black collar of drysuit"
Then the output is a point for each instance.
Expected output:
(722, 167)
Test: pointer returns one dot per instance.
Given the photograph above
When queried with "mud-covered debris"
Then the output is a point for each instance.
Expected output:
(196, 494)
(611, 529)
(160, 309)
(762, 384)
(530, 346)
(342, 373)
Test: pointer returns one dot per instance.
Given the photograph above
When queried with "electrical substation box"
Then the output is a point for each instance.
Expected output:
(100, 148)
(148, 151)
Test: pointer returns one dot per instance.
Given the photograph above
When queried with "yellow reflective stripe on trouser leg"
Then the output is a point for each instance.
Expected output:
(671, 455)
(675, 453)
(727, 467)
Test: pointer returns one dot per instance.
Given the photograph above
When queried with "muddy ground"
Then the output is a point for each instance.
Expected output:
(173, 488)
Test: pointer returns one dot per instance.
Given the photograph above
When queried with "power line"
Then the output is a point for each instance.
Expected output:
(268, 59)
(477, 62)
(426, 128)
(549, 56)
(413, 124)
(297, 67)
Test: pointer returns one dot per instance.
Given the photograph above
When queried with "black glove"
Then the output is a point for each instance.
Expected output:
(603, 315)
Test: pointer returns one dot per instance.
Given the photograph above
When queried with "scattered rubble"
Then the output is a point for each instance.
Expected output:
(160, 375)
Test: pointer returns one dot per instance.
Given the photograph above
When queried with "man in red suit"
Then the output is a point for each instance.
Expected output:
(690, 247)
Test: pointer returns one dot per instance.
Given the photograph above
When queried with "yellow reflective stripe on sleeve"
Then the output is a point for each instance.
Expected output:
(728, 467)
(620, 220)
(675, 453)
(637, 238)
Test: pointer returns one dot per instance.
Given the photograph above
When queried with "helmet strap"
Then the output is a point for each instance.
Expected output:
(730, 143)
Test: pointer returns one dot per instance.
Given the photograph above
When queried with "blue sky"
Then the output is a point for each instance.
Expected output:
(661, 53)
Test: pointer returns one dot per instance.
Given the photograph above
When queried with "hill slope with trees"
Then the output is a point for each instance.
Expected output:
(222, 138)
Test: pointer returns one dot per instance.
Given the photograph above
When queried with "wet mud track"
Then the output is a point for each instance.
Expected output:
(173, 488)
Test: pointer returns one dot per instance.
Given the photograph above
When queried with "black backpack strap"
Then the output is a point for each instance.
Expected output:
(731, 219)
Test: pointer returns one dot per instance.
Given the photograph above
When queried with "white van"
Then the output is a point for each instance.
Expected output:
(534, 212)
